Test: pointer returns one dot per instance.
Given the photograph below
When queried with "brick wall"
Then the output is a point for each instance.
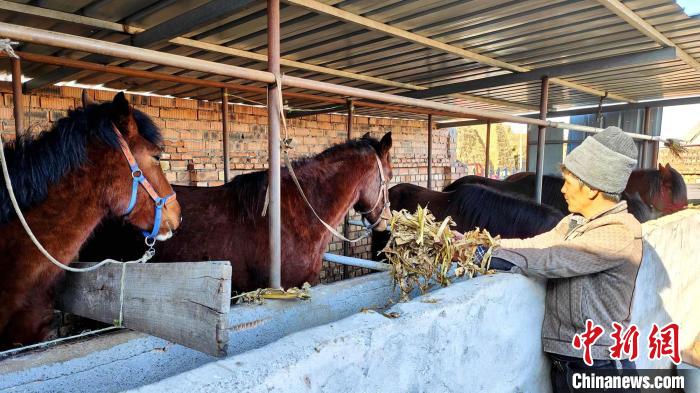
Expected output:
(192, 131)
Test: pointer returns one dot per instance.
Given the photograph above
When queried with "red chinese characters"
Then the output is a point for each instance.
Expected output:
(586, 339)
(626, 342)
(664, 342)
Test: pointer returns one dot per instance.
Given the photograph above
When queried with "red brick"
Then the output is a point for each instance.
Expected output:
(6, 113)
(151, 111)
(208, 115)
(8, 98)
(162, 102)
(103, 95)
(73, 92)
(186, 104)
(176, 113)
(57, 103)
(204, 175)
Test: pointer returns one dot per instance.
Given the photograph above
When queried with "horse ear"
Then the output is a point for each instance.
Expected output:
(87, 100)
(121, 106)
(121, 111)
(385, 144)
(366, 135)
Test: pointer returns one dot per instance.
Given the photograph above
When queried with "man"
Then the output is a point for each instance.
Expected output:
(591, 258)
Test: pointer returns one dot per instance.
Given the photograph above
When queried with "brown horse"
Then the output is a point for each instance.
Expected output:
(649, 193)
(66, 181)
(474, 206)
(225, 222)
(663, 190)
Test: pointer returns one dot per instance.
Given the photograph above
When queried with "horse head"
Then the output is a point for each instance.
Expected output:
(673, 195)
(138, 189)
(373, 202)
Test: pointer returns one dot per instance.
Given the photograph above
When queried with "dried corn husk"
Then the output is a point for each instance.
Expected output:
(421, 250)
(465, 249)
(259, 295)
(675, 147)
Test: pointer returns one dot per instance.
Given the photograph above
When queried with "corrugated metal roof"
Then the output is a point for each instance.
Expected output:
(532, 34)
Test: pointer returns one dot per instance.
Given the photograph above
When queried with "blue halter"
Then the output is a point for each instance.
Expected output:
(139, 178)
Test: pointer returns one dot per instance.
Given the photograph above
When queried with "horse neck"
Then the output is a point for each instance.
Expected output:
(644, 183)
(332, 187)
(72, 210)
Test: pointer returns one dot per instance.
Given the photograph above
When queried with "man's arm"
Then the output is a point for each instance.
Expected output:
(597, 250)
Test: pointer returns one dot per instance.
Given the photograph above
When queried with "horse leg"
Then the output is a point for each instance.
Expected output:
(29, 324)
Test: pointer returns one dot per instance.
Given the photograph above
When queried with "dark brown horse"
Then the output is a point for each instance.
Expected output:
(472, 206)
(67, 180)
(225, 223)
(648, 191)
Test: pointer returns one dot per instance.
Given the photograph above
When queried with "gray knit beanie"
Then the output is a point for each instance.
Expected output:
(604, 161)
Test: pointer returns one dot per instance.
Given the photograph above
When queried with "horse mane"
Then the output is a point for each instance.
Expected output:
(36, 163)
(636, 206)
(653, 178)
(248, 190)
(501, 212)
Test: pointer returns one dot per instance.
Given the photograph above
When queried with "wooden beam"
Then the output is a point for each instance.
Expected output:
(589, 110)
(625, 60)
(186, 303)
(636, 21)
(368, 23)
(189, 21)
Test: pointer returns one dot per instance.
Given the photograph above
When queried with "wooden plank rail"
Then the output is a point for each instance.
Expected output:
(186, 303)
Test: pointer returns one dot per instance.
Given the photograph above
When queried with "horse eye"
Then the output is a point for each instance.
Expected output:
(157, 157)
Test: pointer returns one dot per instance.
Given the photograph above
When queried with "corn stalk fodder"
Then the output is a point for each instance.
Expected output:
(421, 250)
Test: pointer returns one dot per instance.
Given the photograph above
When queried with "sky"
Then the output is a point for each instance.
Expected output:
(678, 120)
(691, 7)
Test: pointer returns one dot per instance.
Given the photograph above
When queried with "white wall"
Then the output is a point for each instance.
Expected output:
(478, 336)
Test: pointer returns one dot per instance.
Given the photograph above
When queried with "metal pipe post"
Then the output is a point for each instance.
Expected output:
(17, 96)
(646, 130)
(273, 144)
(488, 148)
(363, 263)
(224, 127)
(541, 136)
(430, 152)
(346, 224)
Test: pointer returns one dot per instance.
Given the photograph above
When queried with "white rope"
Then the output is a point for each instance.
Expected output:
(10, 190)
(6, 46)
(56, 341)
(285, 145)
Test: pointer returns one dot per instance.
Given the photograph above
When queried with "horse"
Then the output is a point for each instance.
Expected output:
(474, 206)
(523, 184)
(66, 181)
(225, 222)
(663, 191)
